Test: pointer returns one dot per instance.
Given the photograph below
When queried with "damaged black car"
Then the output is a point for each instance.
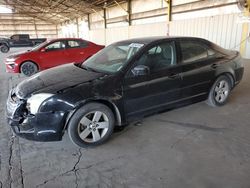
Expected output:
(122, 83)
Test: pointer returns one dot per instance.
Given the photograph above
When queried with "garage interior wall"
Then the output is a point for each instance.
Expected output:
(19, 24)
(221, 22)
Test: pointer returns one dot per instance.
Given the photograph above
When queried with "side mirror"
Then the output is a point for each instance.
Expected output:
(140, 70)
(43, 50)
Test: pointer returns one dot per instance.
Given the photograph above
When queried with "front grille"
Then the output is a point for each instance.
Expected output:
(15, 106)
(14, 98)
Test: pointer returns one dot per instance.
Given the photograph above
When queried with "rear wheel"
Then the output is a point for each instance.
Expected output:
(220, 91)
(4, 48)
(28, 68)
(91, 125)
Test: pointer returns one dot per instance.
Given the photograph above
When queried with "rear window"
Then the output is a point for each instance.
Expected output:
(194, 51)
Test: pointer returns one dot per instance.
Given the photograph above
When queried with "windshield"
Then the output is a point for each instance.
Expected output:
(38, 46)
(112, 58)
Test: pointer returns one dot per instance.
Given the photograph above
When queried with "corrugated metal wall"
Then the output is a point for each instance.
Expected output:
(110, 35)
(19, 24)
(224, 30)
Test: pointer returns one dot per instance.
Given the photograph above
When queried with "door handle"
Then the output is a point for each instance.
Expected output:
(81, 53)
(214, 66)
(173, 76)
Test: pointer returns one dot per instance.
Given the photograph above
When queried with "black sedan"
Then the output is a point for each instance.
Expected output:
(122, 83)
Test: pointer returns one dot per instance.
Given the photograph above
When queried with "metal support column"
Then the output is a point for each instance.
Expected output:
(245, 30)
(169, 10)
(77, 27)
(169, 14)
(89, 22)
(105, 17)
(129, 13)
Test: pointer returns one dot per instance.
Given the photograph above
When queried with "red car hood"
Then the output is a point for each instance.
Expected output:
(16, 54)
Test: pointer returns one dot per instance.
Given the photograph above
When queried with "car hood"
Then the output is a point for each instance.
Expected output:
(17, 54)
(54, 80)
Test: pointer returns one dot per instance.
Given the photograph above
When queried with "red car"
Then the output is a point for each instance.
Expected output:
(50, 54)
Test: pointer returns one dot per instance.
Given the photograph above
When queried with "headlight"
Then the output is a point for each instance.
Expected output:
(34, 102)
(11, 59)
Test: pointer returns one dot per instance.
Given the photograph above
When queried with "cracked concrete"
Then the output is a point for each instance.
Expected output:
(11, 141)
(182, 138)
(74, 170)
(192, 147)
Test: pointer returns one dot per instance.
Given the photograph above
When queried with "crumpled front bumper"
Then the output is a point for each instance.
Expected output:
(44, 126)
(12, 67)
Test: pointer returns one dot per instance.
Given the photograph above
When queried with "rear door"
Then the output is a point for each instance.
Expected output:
(198, 67)
(77, 50)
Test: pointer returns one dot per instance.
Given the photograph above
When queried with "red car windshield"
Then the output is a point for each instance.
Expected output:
(38, 46)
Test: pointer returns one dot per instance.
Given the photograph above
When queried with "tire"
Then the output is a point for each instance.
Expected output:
(220, 91)
(4, 48)
(28, 68)
(91, 125)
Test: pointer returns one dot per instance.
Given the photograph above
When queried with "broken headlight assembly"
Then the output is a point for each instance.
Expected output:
(35, 101)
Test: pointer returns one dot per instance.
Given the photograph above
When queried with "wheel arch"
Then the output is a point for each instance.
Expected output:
(5, 43)
(230, 75)
(109, 104)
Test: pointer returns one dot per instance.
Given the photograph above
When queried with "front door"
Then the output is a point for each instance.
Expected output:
(160, 87)
(54, 54)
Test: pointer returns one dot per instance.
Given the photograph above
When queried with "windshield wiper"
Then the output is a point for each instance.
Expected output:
(89, 69)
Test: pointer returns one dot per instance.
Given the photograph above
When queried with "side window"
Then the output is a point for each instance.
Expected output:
(77, 44)
(158, 58)
(83, 44)
(74, 44)
(193, 51)
(59, 45)
(15, 37)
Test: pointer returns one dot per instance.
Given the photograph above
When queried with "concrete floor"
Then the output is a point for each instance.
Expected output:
(193, 147)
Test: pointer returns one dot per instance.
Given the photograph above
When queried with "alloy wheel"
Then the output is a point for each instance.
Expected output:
(28, 68)
(93, 126)
(221, 91)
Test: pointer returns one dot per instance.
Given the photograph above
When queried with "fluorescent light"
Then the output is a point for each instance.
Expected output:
(5, 10)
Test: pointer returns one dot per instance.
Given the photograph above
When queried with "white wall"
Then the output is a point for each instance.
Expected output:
(224, 30)
(221, 25)
(110, 35)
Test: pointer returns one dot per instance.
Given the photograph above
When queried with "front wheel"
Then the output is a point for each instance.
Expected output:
(91, 125)
(28, 68)
(220, 91)
(4, 48)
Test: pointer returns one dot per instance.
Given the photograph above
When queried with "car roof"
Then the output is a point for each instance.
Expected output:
(58, 39)
(147, 40)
